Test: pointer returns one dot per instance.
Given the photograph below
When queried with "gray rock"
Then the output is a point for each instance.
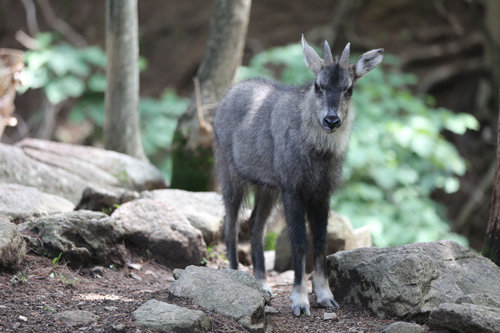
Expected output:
(104, 201)
(465, 318)
(20, 202)
(12, 245)
(83, 237)
(159, 228)
(340, 237)
(76, 317)
(402, 327)
(248, 280)
(164, 317)
(410, 281)
(204, 210)
(217, 291)
(66, 170)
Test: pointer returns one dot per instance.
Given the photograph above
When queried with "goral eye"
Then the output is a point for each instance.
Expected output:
(317, 88)
(348, 92)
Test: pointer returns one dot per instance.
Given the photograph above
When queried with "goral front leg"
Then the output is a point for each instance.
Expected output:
(295, 220)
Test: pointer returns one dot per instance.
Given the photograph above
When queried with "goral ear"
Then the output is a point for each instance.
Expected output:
(367, 62)
(311, 58)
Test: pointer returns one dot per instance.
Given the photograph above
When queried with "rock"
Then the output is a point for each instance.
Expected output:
(164, 317)
(270, 310)
(410, 281)
(83, 238)
(135, 276)
(248, 280)
(104, 201)
(66, 170)
(362, 237)
(204, 210)
(402, 327)
(19, 202)
(219, 292)
(159, 228)
(270, 258)
(330, 316)
(340, 237)
(465, 318)
(12, 246)
(76, 317)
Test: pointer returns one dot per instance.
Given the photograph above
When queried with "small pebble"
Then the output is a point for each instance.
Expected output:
(269, 310)
(23, 318)
(137, 267)
(110, 308)
(119, 327)
(16, 325)
(330, 316)
(135, 277)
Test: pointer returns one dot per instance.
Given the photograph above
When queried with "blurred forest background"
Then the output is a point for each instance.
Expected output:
(421, 160)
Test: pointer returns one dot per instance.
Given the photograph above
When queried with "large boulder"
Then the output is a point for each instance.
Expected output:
(164, 317)
(20, 202)
(12, 246)
(340, 237)
(163, 232)
(223, 293)
(465, 318)
(412, 280)
(204, 210)
(66, 170)
(83, 238)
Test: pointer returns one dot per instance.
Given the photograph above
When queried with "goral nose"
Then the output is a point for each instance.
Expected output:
(332, 121)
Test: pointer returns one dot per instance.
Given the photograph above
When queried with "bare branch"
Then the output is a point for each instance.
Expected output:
(31, 20)
(204, 125)
(27, 41)
(61, 26)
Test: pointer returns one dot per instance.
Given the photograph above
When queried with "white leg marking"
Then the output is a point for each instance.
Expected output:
(322, 290)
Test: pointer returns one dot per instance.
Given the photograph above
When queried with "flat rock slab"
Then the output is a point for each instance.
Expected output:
(220, 292)
(412, 280)
(20, 202)
(159, 228)
(12, 245)
(77, 317)
(402, 327)
(83, 238)
(465, 318)
(66, 170)
(204, 210)
(164, 317)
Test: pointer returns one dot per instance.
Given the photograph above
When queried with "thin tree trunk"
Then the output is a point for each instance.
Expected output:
(491, 247)
(121, 128)
(223, 55)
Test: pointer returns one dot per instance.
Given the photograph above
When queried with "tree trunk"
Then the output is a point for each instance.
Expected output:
(192, 157)
(491, 247)
(121, 128)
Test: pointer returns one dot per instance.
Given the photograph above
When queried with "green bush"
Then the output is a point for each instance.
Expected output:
(63, 71)
(397, 155)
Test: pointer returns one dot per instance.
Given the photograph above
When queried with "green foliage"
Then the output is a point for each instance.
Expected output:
(63, 71)
(57, 259)
(270, 241)
(397, 154)
(18, 278)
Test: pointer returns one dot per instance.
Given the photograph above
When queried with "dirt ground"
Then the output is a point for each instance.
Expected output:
(30, 298)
